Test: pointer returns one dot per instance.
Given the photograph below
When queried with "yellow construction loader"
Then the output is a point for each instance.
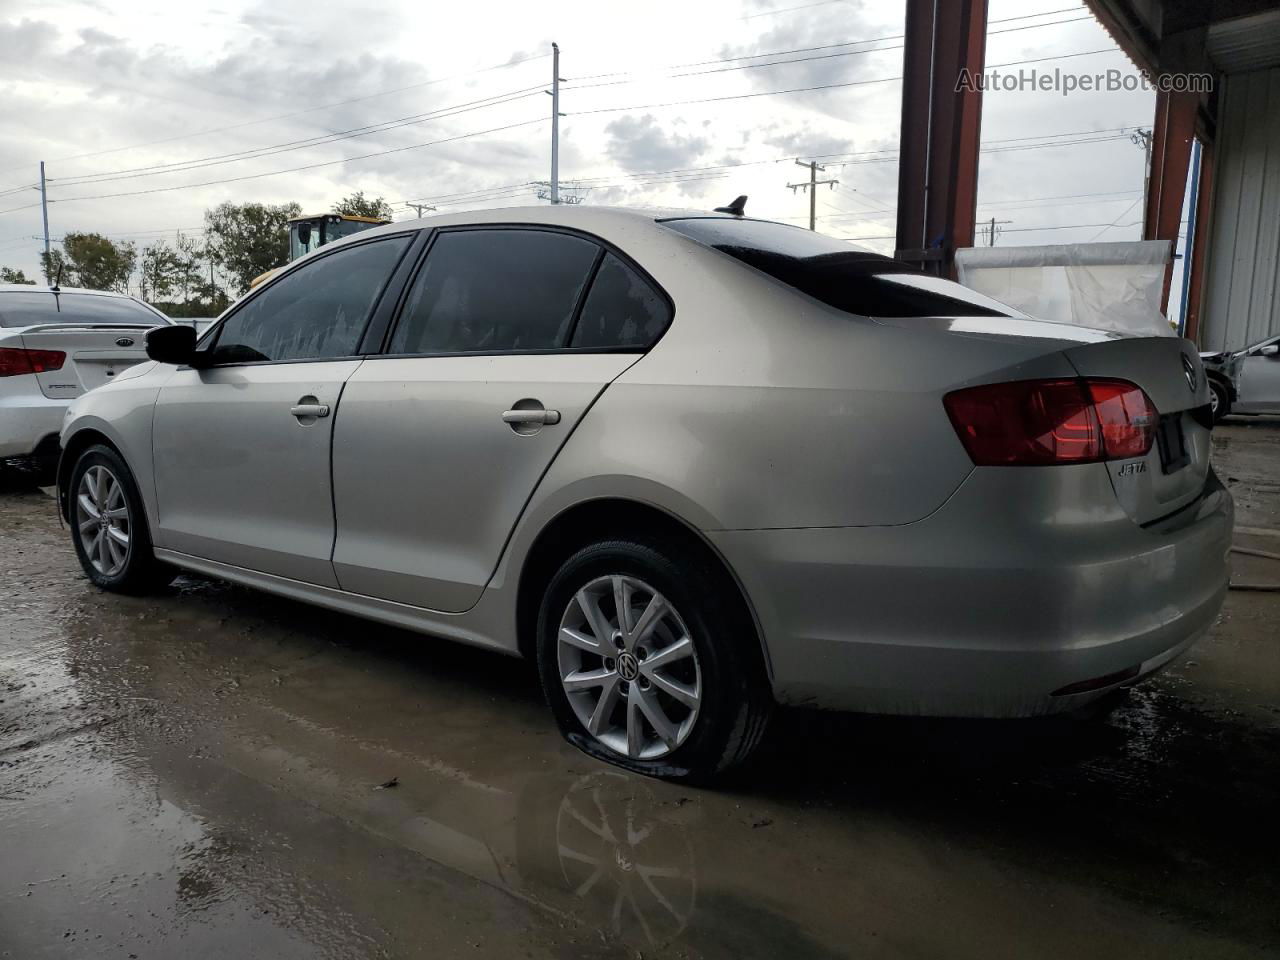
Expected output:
(312, 232)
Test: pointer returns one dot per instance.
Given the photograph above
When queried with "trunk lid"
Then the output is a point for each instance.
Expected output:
(96, 353)
(1169, 369)
(1174, 472)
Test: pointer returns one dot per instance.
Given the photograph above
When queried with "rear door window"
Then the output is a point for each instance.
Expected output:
(840, 275)
(495, 291)
(622, 310)
(315, 312)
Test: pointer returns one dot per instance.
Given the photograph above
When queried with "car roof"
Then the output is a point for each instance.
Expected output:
(576, 215)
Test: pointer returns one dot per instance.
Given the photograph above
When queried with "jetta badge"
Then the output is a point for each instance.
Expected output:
(128, 342)
(1189, 371)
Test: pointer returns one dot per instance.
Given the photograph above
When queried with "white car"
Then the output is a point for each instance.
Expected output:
(689, 465)
(54, 345)
(1245, 381)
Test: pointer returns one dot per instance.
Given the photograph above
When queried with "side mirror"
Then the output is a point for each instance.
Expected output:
(175, 344)
(304, 233)
(1271, 350)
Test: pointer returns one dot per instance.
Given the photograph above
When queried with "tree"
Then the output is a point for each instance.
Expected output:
(357, 206)
(54, 266)
(10, 275)
(161, 271)
(92, 261)
(248, 239)
(190, 259)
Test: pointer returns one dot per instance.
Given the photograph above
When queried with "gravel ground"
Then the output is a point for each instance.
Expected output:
(213, 772)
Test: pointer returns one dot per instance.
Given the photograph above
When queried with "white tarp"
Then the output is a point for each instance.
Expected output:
(1108, 286)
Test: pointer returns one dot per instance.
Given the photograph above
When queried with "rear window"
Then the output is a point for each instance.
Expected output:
(25, 309)
(841, 276)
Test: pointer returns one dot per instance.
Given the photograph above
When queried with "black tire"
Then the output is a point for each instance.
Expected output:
(141, 572)
(1223, 399)
(735, 699)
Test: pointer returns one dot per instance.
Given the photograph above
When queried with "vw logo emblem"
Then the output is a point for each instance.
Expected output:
(628, 667)
(125, 342)
(1189, 371)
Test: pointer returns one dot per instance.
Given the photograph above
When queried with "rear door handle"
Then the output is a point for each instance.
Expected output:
(531, 416)
(301, 410)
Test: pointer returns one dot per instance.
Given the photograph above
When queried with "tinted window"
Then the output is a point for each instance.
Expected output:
(317, 311)
(838, 274)
(495, 290)
(621, 310)
(22, 309)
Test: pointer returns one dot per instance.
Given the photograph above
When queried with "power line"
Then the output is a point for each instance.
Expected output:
(1116, 221)
(833, 46)
(803, 6)
(825, 56)
(297, 113)
(288, 146)
(1061, 196)
(460, 193)
(310, 166)
(653, 175)
(21, 189)
(822, 86)
(1063, 226)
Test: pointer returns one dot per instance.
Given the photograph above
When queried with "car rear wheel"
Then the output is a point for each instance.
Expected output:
(109, 526)
(645, 660)
(1219, 402)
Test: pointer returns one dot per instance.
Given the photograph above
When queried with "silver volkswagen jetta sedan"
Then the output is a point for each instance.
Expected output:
(691, 465)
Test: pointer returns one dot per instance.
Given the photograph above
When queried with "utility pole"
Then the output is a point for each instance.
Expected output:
(44, 211)
(1142, 138)
(419, 207)
(555, 122)
(991, 230)
(812, 187)
(1188, 248)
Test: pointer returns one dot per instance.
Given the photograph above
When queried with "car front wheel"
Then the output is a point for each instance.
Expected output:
(646, 661)
(109, 527)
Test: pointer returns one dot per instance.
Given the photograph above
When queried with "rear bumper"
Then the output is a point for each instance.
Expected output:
(28, 419)
(966, 613)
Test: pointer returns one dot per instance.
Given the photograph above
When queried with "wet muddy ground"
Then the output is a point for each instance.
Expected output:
(206, 773)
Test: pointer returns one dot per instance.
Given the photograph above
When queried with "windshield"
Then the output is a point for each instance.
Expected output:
(842, 276)
(25, 309)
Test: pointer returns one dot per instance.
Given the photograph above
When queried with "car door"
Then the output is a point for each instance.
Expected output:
(1260, 379)
(241, 445)
(490, 366)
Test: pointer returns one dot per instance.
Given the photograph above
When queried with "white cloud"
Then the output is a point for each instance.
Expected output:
(84, 77)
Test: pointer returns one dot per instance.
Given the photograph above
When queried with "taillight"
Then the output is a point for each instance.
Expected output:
(1127, 416)
(1040, 422)
(15, 361)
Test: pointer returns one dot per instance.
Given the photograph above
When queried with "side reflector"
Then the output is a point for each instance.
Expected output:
(1097, 683)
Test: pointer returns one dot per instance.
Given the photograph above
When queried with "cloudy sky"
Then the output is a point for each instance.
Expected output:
(147, 111)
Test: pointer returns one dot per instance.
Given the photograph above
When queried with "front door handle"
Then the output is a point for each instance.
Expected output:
(516, 417)
(309, 409)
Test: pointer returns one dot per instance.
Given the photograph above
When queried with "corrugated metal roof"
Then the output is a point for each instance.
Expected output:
(1246, 43)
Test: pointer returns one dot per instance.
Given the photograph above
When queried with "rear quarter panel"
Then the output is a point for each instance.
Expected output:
(768, 409)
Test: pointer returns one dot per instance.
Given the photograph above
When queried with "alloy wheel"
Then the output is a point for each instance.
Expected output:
(102, 516)
(629, 668)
